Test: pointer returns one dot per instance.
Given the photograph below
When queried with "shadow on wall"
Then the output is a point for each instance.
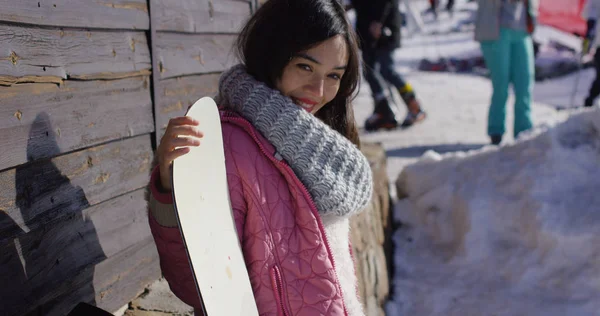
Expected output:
(46, 264)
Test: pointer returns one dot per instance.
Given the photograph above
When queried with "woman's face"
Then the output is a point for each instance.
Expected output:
(312, 78)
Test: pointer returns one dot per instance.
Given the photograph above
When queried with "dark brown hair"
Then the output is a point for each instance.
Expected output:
(282, 28)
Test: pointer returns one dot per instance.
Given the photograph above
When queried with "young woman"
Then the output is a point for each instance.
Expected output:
(504, 28)
(294, 170)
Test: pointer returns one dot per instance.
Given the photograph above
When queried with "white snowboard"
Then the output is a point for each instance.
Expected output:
(206, 222)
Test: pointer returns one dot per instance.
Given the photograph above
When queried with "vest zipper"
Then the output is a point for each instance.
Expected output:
(277, 285)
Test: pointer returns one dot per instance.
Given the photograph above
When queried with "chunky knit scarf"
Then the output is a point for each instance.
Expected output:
(335, 172)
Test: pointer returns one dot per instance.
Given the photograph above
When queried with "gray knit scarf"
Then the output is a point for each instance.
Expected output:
(335, 172)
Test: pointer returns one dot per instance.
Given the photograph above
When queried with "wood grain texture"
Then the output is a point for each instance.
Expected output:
(193, 54)
(75, 115)
(121, 279)
(174, 96)
(116, 281)
(79, 257)
(106, 14)
(36, 193)
(28, 51)
(200, 16)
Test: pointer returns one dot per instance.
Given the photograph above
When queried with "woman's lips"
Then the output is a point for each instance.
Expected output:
(307, 101)
(306, 104)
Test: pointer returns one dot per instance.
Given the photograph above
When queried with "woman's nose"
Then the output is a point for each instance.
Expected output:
(317, 86)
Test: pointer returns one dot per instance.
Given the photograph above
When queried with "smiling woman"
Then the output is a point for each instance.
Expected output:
(282, 31)
(295, 172)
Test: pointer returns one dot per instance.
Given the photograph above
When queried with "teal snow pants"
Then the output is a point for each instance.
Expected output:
(510, 60)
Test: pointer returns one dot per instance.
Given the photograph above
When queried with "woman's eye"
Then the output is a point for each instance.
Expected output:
(304, 67)
(335, 76)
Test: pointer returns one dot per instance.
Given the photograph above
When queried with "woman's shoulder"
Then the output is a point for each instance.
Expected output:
(246, 151)
(241, 138)
(235, 134)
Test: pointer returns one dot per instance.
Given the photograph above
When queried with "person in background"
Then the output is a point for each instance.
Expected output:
(433, 6)
(591, 12)
(295, 173)
(378, 25)
(504, 28)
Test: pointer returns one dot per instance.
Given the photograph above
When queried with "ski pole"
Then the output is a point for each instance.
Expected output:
(576, 85)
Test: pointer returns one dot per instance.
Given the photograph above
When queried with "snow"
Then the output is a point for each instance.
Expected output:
(488, 230)
(511, 230)
(558, 92)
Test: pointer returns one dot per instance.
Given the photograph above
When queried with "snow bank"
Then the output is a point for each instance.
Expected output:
(503, 231)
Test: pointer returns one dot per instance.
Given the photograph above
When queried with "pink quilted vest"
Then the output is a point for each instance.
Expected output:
(287, 254)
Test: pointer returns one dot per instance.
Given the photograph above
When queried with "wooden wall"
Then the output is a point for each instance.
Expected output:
(85, 89)
(192, 41)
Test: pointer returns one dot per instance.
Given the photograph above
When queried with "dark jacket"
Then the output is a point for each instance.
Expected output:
(368, 11)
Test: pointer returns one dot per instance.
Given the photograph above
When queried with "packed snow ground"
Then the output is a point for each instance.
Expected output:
(503, 231)
(495, 231)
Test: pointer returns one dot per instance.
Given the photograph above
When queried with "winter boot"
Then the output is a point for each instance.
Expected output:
(382, 117)
(415, 113)
(496, 139)
(412, 118)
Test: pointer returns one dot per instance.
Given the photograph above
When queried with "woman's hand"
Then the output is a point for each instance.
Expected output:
(181, 134)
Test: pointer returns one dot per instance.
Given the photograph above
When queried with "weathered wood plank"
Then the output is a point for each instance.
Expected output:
(10, 80)
(111, 14)
(65, 257)
(116, 281)
(122, 279)
(175, 95)
(28, 51)
(199, 16)
(36, 193)
(44, 120)
(193, 54)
